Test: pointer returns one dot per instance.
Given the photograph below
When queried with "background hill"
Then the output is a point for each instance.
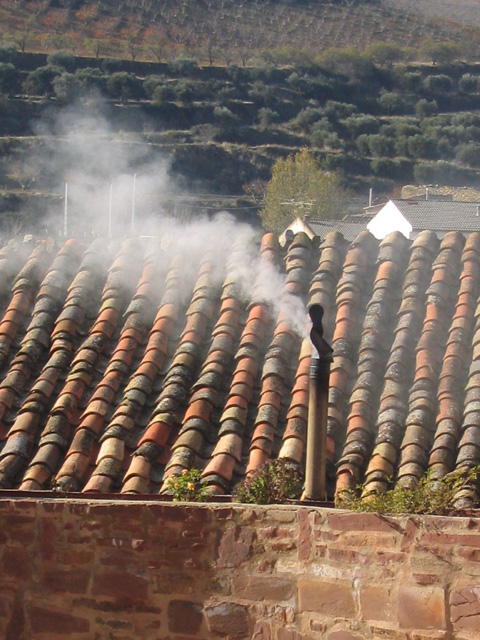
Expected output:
(228, 30)
(214, 91)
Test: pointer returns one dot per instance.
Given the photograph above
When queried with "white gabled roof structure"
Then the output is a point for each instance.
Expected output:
(387, 220)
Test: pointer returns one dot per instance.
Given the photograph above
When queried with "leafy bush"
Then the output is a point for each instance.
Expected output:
(189, 487)
(362, 123)
(273, 483)
(426, 109)
(392, 103)
(411, 80)
(339, 110)
(66, 87)
(112, 65)
(468, 83)
(469, 154)
(63, 59)
(184, 66)
(151, 83)
(431, 496)
(266, 117)
(438, 84)
(437, 172)
(124, 85)
(40, 81)
(89, 78)
(8, 53)
(380, 145)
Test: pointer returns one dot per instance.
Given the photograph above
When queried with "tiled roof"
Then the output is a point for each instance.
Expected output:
(123, 364)
(440, 216)
(349, 227)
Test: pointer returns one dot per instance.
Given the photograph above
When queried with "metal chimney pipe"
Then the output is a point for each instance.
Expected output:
(316, 458)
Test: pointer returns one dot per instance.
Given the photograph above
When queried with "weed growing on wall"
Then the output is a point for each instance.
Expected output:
(274, 482)
(189, 487)
(431, 496)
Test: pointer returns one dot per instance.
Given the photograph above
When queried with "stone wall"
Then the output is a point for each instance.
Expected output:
(115, 570)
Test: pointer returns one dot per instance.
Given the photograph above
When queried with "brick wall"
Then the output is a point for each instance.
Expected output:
(99, 570)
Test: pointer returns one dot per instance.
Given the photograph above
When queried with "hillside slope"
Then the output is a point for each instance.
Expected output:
(221, 30)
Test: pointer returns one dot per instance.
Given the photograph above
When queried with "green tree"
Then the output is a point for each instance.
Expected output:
(299, 186)
(40, 81)
(439, 52)
(123, 85)
(426, 109)
(384, 54)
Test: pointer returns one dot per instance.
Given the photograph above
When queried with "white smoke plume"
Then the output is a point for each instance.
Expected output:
(118, 179)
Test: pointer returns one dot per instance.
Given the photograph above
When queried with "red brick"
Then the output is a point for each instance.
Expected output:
(119, 605)
(228, 619)
(421, 608)
(409, 535)
(426, 578)
(48, 538)
(469, 554)
(15, 627)
(376, 603)
(46, 620)
(348, 521)
(344, 634)
(328, 598)
(120, 585)
(349, 556)
(260, 588)
(184, 617)
(235, 546)
(16, 564)
(69, 581)
(304, 536)
(438, 537)
(390, 557)
(465, 608)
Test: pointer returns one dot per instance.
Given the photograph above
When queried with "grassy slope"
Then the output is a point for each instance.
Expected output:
(226, 29)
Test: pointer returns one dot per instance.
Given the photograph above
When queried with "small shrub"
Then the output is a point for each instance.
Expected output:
(426, 109)
(189, 487)
(63, 59)
(273, 483)
(431, 496)
(438, 84)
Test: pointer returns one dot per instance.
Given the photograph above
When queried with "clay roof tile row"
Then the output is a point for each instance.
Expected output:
(120, 372)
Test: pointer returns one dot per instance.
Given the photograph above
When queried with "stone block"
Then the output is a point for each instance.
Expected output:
(17, 565)
(263, 588)
(228, 620)
(328, 598)
(120, 585)
(48, 621)
(66, 581)
(235, 546)
(465, 608)
(184, 617)
(421, 608)
(344, 634)
(376, 604)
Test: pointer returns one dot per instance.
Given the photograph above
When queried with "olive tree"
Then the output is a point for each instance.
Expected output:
(299, 186)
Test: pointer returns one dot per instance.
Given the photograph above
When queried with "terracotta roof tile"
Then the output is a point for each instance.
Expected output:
(114, 378)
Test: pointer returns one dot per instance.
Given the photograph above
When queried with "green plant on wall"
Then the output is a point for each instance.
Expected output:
(189, 487)
(431, 496)
(274, 482)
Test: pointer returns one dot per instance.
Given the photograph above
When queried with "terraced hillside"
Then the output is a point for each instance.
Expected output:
(220, 29)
